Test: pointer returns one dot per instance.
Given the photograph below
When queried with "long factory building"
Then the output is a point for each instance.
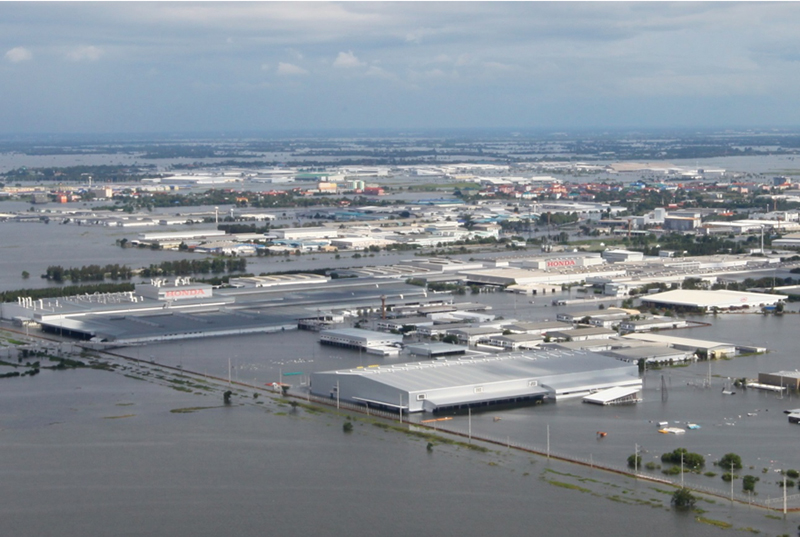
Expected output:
(476, 382)
(181, 309)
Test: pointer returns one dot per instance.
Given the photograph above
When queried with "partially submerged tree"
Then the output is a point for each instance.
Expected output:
(683, 499)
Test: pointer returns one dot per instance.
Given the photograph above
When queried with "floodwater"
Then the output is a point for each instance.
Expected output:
(95, 453)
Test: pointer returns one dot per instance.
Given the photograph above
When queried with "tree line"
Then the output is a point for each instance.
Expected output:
(187, 267)
(184, 267)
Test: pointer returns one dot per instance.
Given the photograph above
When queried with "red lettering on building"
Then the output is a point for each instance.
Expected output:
(185, 292)
(561, 263)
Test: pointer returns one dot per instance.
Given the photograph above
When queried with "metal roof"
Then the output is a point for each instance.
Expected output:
(420, 376)
(610, 395)
(708, 299)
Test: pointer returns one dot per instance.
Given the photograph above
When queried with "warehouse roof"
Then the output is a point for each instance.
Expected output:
(708, 299)
(418, 376)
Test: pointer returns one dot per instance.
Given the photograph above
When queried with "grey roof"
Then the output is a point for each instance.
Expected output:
(652, 351)
(581, 331)
(417, 376)
(436, 349)
(587, 345)
(360, 334)
(541, 326)
(519, 338)
(476, 331)
(170, 323)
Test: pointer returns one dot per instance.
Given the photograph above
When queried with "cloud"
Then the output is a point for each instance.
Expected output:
(347, 60)
(379, 72)
(85, 53)
(288, 69)
(19, 54)
(415, 36)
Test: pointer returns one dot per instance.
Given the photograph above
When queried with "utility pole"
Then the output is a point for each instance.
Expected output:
(784, 494)
(548, 441)
(469, 424)
(732, 481)
(681, 469)
(636, 459)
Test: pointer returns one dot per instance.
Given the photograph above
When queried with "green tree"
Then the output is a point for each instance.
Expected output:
(683, 499)
(634, 461)
(749, 483)
(692, 461)
(728, 459)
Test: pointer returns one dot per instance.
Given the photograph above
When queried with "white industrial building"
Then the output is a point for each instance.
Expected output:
(706, 300)
(306, 233)
(476, 382)
(622, 256)
(357, 338)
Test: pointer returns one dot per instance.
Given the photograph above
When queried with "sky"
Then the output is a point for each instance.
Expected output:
(149, 67)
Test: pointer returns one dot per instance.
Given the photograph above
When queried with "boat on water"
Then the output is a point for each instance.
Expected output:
(692, 426)
(672, 430)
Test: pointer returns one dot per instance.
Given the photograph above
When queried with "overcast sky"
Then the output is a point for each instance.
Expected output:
(221, 67)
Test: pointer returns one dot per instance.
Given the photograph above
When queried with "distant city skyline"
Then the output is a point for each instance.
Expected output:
(234, 67)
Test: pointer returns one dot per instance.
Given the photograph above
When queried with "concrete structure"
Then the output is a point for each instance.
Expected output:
(614, 396)
(581, 333)
(436, 350)
(714, 349)
(356, 338)
(480, 382)
(537, 328)
(176, 289)
(306, 233)
(785, 379)
(603, 318)
(681, 223)
(654, 323)
(622, 256)
(472, 335)
(651, 354)
(556, 263)
(513, 342)
(278, 280)
(399, 322)
(181, 235)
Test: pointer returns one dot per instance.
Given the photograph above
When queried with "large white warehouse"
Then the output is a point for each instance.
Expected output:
(476, 382)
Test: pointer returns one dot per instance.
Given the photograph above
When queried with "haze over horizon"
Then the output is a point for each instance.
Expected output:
(209, 67)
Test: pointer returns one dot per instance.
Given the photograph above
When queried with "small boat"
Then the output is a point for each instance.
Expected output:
(692, 426)
(672, 430)
(728, 392)
(601, 434)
